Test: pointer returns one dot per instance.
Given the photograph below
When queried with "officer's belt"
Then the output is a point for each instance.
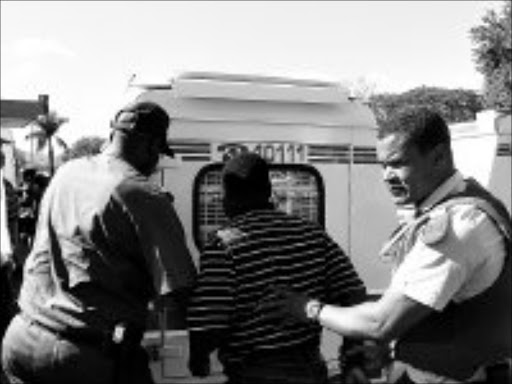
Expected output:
(107, 341)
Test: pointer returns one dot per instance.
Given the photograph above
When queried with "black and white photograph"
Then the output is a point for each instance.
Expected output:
(256, 192)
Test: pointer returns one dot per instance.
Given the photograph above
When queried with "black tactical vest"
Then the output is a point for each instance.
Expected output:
(464, 336)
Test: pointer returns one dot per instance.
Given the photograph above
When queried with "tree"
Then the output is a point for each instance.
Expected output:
(85, 146)
(363, 88)
(493, 56)
(48, 125)
(455, 105)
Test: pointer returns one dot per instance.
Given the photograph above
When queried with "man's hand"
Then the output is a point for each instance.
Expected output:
(362, 361)
(284, 304)
(355, 375)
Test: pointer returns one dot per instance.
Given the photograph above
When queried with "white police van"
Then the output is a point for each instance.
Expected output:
(320, 143)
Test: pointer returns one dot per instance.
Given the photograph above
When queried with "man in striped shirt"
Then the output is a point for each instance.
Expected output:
(259, 248)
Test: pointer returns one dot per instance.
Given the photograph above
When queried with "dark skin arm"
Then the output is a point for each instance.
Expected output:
(382, 320)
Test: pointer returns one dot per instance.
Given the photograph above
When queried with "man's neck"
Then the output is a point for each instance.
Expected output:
(419, 205)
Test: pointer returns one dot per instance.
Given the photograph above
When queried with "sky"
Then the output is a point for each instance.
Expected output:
(83, 53)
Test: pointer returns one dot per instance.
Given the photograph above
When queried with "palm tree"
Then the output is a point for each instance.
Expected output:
(48, 125)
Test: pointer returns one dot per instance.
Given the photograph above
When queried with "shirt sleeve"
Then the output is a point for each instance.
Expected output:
(435, 273)
(212, 301)
(161, 237)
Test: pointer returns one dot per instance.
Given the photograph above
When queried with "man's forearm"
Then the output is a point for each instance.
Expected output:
(383, 320)
(360, 321)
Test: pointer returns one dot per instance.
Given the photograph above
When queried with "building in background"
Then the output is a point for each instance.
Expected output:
(17, 114)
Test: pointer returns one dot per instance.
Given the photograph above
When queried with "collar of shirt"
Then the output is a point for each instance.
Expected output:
(125, 167)
(454, 183)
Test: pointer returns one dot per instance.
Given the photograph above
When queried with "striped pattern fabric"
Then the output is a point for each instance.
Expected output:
(242, 261)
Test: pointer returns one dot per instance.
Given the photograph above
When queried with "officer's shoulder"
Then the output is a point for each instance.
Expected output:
(467, 217)
(436, 227)
(458, 219)
(229, 235)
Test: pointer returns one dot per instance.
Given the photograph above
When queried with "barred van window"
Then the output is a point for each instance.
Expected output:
(297, 189)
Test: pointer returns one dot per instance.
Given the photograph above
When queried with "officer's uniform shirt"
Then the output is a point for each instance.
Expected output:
(458, 254)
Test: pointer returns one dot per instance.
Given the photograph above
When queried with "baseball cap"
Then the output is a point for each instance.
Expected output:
(147, 118)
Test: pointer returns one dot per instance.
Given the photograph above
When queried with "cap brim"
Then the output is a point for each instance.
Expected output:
(5, 141)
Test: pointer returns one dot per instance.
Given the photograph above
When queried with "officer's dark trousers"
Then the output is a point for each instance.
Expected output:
(34, 355)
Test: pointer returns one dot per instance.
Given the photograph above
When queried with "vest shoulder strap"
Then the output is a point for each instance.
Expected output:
(482, 204)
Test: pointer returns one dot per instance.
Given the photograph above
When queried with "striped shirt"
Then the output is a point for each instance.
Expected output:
(243, 260)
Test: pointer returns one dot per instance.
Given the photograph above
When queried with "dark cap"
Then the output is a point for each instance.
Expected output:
(147, 118)
(246, 176)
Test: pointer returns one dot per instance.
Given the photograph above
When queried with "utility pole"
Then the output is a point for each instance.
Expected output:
(44, 100)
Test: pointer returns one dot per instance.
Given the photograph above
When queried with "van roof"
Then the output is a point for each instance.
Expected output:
(259, 79)
(219, 85)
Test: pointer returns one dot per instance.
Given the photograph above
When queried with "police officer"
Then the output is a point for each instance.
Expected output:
(448, 307)
(108, 242)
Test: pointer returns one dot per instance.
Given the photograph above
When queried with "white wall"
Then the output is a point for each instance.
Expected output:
(482, 149)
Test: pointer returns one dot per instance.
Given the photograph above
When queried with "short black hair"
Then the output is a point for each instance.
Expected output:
(420, 126)
(246, 183)
(247, 176)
